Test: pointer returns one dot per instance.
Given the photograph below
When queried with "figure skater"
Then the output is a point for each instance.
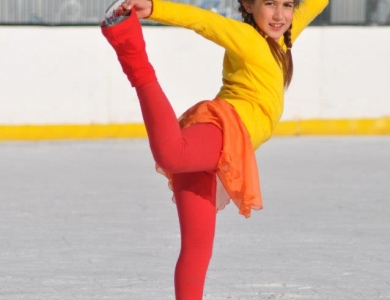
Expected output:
(208, 153)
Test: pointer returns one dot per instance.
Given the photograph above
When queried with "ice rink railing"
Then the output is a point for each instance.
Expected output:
(90, 12)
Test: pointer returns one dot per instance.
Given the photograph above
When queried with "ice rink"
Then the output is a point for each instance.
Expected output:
(93, 220)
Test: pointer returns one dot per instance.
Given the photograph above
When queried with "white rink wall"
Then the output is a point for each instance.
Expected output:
(70, 75)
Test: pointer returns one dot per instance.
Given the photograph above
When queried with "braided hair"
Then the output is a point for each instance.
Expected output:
(282, 57)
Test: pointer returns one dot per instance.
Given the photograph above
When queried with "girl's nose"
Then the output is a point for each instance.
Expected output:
(278, 13)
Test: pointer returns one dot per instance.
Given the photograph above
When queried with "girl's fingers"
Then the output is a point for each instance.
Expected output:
(126, 6)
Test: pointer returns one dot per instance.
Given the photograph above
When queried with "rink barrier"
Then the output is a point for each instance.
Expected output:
(51, 79)
(380, 126)
(76, 131)
(340, 127)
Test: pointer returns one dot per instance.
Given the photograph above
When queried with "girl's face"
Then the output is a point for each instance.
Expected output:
(274, 17)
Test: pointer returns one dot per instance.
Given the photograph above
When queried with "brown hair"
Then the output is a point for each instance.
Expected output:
(284, 58)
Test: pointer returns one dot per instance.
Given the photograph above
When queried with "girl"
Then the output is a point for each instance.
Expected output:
(208, 156)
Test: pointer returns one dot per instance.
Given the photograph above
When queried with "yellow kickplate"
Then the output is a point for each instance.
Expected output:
(137, 130)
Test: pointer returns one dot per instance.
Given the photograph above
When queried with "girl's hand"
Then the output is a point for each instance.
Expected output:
(143, 8)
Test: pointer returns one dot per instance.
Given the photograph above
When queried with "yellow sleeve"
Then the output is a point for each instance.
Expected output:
(238, 38)
(306, 12)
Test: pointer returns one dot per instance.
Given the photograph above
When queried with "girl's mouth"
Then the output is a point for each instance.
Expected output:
(276, 26)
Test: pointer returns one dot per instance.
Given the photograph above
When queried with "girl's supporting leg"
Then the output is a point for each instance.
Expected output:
(195, 200)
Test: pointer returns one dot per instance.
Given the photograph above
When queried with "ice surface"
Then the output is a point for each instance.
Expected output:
(92, 220)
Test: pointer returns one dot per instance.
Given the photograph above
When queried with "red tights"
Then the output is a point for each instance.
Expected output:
(191, 155)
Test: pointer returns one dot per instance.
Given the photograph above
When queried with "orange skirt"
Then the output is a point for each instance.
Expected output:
(237, 173)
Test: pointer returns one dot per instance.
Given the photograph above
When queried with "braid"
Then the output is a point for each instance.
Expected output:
(289, 61)
(287, 38)
(283, 58)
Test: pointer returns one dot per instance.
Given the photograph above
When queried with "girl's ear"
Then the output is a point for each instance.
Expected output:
(248, 6)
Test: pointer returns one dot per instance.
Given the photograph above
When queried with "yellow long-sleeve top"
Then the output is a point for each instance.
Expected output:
(252, 79)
